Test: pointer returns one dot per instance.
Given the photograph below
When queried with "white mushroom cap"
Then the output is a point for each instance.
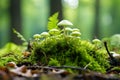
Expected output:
(75, 29)
(54, 31)
(64, 23)
(76, 33)
(36, 36)
(45, 34)
(68, 29)
(96, 41)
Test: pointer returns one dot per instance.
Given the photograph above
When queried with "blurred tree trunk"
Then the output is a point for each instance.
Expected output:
(115, 13)
(56, 6)
(97, 19)
(15, 20)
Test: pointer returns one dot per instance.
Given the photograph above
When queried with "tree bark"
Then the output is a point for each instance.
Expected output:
(15, 20)
(56, 6)
(97, 18)
(115, 14)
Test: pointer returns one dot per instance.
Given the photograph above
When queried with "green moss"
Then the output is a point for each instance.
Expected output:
(10, 52)
(116, 68)
(69, 50)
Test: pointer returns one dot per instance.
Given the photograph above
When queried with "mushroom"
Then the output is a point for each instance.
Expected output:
(96, 41)
(63, 24)
(75, 29)
(76, 34)
(36, 36)
(45, 34)
(54, 32)
(68, 30)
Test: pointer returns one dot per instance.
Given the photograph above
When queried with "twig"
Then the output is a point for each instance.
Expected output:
(112, 58)
(114, 61)
(56, 67)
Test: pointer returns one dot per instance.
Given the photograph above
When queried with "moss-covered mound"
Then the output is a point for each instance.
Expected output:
(59, 46)
(65, 47)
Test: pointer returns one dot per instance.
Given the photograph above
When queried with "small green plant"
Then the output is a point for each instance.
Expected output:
(63, 46)
(19, 35)
(53, 62)
(53, 20)
(11, 52)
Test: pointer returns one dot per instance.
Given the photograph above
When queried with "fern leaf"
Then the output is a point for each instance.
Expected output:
(19, 35)
(53, 20)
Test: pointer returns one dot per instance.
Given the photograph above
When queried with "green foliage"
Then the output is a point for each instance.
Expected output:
(53, 62)
(116, 68)
(53, 21)
(19, 35)
(10, 52)
(62, 49)
(113, 43)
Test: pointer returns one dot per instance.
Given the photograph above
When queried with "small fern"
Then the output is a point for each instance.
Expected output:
(19, 35)
(53, 21)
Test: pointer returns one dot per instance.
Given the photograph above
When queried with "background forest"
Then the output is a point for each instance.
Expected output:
(94, 18)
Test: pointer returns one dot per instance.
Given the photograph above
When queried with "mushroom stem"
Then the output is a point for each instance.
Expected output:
(64, 31)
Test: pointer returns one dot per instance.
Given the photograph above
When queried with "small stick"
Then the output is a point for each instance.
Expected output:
(112, 58)
(56, 67)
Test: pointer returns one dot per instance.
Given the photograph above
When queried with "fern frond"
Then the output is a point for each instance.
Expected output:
(19, 35)
(53, 20)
